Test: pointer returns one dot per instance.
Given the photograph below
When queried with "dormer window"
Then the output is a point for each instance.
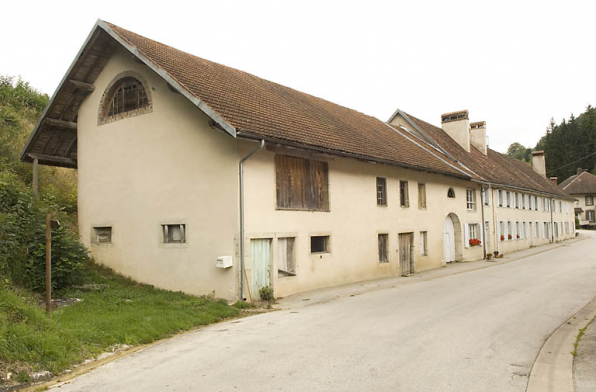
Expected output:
(126, 96)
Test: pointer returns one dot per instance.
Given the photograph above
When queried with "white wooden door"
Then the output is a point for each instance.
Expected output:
(261, 265)
(449, 240)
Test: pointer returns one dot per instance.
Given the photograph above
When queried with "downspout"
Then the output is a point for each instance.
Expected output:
(483, 223)
(495, 219)
(241, 172)
(552, 226)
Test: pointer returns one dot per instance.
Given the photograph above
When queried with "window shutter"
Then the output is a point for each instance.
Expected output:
(467, 236)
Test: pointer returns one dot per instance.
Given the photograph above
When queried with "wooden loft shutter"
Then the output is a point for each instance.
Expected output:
(301, 184)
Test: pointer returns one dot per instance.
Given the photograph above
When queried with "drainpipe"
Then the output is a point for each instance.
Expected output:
(241, 172)
(483, 228)
(552, 226)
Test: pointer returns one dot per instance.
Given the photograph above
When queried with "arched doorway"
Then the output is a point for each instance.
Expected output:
(452, 239)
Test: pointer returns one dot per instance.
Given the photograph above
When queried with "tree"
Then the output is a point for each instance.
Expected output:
(519, 152)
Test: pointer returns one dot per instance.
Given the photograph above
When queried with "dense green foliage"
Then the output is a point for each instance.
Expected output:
(22, 218)
(567, 146)
(116, 311)
(520, 152)
(570, 144)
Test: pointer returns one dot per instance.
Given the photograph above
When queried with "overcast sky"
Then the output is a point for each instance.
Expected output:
(513, 64)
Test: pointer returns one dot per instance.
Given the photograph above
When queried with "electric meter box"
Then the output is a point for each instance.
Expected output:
(224, 262)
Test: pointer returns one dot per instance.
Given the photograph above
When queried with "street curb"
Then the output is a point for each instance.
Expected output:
(553, 367)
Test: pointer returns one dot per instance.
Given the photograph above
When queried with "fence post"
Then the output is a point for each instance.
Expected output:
(48, 264)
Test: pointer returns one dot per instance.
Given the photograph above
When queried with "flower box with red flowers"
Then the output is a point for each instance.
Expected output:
(509, 236)
(502, 238)
(475, 242)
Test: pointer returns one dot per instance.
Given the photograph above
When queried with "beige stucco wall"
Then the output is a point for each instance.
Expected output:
(513, 215)
(167, 166)
(354, 222)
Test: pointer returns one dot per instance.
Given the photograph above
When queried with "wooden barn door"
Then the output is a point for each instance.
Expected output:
(405, 253)
(260, 254)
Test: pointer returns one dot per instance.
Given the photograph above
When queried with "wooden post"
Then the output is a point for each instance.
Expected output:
(35, 162)
(48, 264)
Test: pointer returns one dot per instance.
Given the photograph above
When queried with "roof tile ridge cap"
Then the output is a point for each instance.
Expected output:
(427, 150)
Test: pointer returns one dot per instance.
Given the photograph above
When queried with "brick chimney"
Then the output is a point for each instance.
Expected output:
(457, 126)
(554, 180)
(579, 171)
(538, 163)
(478, 136)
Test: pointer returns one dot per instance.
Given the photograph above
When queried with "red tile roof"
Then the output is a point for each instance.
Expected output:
(582, 184)
(494, 167)
(261, 108)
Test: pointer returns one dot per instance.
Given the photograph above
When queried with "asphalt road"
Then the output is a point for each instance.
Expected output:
(475, 331)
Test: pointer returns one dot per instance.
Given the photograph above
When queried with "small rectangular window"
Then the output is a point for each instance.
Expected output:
(500, 198)
(319, 244)
(517, 232)
(383, 248)
(501, 231)
(102, 235)
(421, 195)
(536, 203)
(470, 199)
(404, 198)
(381, 191)
(590, 215)
(286, 264)
(509, 231)
(487, 232)
(508, 199)
(589, 200)
(174, 233)
(423, 243)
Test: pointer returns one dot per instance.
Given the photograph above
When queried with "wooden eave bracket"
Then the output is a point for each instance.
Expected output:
(60, 123)
(83, 86)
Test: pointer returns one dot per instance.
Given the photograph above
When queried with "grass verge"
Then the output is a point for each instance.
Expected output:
(116, 310)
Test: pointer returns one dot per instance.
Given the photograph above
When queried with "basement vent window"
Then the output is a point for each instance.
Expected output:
(319, 244)
(286, 264)
(174, 234)
(102, 235)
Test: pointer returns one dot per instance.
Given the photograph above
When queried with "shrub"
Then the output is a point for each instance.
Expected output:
(22, 239)
(266, 293)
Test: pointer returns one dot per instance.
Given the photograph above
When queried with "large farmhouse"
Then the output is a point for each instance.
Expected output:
(198, 177)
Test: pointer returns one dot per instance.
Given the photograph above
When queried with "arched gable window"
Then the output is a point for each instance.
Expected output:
(126, 96)
(451, 193)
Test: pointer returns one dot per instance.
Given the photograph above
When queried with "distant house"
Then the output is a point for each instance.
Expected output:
(582, 185)
(198, 177)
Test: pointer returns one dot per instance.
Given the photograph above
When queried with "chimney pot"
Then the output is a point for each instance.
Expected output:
(554, 180)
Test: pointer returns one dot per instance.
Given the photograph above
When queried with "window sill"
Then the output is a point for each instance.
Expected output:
(300, 209)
